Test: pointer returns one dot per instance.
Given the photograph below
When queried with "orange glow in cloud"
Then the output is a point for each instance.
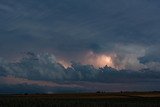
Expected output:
(103, 60)
(64, 63)
(99, 60)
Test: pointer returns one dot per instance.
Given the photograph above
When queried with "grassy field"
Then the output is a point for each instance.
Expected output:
(124, 99)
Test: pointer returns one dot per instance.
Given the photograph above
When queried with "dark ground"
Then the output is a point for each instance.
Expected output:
(123, 99)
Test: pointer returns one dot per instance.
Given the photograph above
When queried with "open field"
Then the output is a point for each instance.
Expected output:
(124, 99)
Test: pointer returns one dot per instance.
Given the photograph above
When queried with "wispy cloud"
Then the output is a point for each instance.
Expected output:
(10, 80)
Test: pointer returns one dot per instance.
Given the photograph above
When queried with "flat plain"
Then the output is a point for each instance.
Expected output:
(117, 99)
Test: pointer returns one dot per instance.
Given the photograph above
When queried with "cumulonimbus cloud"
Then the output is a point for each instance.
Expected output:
(46, 67)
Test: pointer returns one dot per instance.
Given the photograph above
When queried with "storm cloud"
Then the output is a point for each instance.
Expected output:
(46, 67)
(69, 28)
(42, 73)
(73, 40)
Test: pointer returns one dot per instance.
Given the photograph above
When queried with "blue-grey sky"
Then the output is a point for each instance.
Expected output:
(70, 28)
(123, 34)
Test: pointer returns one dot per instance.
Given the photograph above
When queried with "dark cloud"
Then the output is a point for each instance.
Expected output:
(152, 55)
(35, 89)
(41, 73)
(37, 67)
(46, 67)
(76, 26)
(126, 31)
(75, 87)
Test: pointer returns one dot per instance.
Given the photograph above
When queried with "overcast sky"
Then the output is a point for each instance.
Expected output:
(123, 34)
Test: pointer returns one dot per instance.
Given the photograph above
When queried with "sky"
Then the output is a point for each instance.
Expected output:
(67, 45)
